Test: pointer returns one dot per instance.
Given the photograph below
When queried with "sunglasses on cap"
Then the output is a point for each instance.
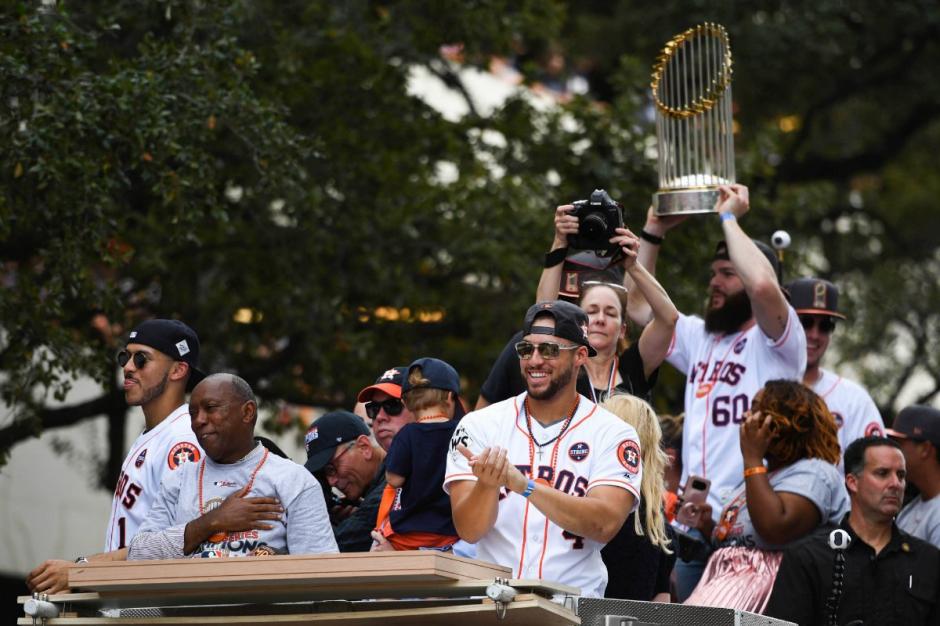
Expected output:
(547, 349)
(601, 283)
(392, 406)
(140, 358)
(824, 323)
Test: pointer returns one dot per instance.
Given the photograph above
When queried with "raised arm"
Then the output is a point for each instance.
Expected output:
(565, 224)
(777, 517)
(652, 237)
(753, 268)
(656, 337)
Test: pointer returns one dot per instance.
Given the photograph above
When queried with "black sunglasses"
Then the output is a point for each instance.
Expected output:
(392, 406)
(140, 358)
(547, 349)
(825, 324)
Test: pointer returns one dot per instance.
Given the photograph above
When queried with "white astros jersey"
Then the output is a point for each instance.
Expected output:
(854, 410)
(723, 373)
(597, 449)
(155, 452)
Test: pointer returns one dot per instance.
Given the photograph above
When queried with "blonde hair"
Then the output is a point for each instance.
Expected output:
(420, 396)
(641, 416)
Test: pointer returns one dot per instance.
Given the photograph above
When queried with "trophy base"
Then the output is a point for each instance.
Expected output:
(685, 201)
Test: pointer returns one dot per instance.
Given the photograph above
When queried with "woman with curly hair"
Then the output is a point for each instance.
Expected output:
(799, 488)
(639, 559)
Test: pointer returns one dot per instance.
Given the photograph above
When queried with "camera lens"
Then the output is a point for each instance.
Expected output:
(593, 227)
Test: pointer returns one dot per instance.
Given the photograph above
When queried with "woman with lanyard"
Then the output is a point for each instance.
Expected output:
(618, 365)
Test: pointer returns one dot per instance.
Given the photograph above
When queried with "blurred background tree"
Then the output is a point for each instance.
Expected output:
(264, 171)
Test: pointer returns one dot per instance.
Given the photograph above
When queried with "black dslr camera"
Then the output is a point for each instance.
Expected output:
(597, 220)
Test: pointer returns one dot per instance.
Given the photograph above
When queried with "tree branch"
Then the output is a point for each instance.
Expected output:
(452, 80)
(47, 419)
(892, 142)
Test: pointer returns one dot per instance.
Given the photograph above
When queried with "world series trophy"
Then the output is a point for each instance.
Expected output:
(694, 127)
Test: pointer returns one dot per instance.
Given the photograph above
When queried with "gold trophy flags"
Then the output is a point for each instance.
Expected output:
(692, 91)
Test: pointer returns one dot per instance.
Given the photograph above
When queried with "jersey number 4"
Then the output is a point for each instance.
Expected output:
(577, 539)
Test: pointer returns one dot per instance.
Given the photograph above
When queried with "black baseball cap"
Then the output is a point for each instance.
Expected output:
(389, 381)
(174, 339)
(330, 430)
(571, 322)
(814, 296)
(721, 254)
(918, 422)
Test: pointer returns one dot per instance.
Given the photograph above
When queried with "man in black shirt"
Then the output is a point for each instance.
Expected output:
(884, 576)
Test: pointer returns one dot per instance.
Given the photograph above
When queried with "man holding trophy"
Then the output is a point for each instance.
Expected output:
(749, 334)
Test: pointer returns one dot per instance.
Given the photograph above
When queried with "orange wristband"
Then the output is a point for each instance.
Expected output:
(753, 471)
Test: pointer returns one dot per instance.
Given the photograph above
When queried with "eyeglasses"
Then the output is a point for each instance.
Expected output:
(392, 406)
(547, 350)
(824, 323)
(140, 358)
(329, 470)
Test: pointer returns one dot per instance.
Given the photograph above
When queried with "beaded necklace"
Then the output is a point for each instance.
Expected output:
(219, 536)
(428, 418)
(532, 441)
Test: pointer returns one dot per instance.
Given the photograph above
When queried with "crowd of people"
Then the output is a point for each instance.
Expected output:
(776, 491)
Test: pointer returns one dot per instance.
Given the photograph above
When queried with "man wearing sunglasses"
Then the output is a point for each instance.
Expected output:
(817, 303)
(342, 454)
(383, 405)
(160, 364)
(543, 480)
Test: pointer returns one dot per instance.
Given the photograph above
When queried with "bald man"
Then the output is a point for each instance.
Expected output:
(240, 500)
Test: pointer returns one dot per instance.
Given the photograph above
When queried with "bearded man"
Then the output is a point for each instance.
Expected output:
(750, 334)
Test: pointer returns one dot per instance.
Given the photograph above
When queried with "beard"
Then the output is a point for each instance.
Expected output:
(560, 381)
(152, 392)
(730, 316)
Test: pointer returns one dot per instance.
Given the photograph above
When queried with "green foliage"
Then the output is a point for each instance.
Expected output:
(205, 160)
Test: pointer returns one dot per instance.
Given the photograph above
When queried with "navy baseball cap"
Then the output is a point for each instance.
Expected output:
(571, 322)
(918, 422)
(721, 254)
(174, 339)
(389, 381)
(439, 374)
(814, 296)
(330, 430)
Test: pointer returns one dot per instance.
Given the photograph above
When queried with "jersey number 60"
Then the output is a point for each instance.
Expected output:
(729, 409)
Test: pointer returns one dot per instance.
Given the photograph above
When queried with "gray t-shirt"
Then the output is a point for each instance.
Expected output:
(814, 479)
(304, 527)
(921, 518)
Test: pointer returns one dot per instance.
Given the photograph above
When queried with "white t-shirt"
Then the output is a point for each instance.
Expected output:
(597, 449)
(723, 373)
(922, 519)
(156, 453)
(854, 410)
(814, 479)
